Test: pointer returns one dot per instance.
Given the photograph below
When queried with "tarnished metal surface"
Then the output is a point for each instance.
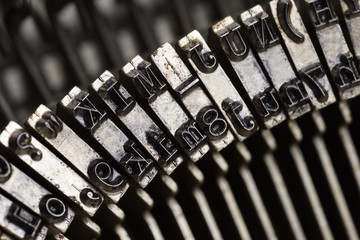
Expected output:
(302, 52)
(249, 132)
(51, 168)
(188, 89)
(39, 200)
(339, 59)
(87, 161)
(123, 150)
(351, 10)
(227, 37)
(218, 85)
(19, 222)
(179, 124)
(265, 40)
(152, 138)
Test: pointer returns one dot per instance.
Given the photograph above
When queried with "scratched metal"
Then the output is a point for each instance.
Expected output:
(218, 85)
(178, 123)
(337, 54)
(58, 135)
(126, 109)
(226, 37)
(302, 52)
(123, 150)
(38, 158)
(323, 183)
(188, 89)
(19, 222)
(263, 37)
(351, 12)
(32, 199)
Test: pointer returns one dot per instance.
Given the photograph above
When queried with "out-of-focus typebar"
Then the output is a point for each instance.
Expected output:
(5, 236)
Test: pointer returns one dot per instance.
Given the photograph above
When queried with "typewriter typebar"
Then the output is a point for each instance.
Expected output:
(52, 209)
(121, 104)
(302, 53)
(248, 131)
(265, 40)
(32, 153)
(180, 125)
(187, 87)
(63, 139)
(104, 131)
(225, 36)
(339, 59)
(209, 70)
(19, 222)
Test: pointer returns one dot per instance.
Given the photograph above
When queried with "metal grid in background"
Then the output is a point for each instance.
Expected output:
(302, 177)
(50, 46)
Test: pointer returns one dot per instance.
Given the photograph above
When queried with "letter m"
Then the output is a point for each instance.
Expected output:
(146, 82)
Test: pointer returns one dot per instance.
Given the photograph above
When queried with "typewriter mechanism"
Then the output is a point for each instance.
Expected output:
(202, 119)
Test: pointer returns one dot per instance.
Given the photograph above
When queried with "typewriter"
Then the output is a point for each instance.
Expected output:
(170, 119)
